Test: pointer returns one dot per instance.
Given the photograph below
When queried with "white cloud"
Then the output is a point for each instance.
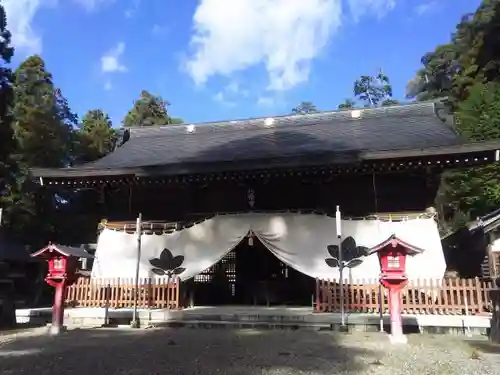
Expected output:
(229, 95)
(379, 8)
(110, 62)
(158, 29)
(132, 9)
(283, 35)
(221, 98)
(20, 15)
(424, 8)
(92, 5)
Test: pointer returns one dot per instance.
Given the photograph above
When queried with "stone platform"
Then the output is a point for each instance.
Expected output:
(256, 317)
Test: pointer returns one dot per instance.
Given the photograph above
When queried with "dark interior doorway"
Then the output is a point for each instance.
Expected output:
(250, 275)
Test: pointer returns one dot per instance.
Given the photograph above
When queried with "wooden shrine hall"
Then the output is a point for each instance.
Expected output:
(243, 208)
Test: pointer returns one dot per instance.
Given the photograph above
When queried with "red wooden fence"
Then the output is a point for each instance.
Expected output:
(450, 296)
(117, 293)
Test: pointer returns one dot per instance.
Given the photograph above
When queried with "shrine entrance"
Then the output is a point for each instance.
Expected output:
(250, 275)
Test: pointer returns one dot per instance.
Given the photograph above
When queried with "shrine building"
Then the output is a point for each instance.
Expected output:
(250, 204)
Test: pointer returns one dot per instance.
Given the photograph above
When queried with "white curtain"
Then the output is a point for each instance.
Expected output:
(298, 240)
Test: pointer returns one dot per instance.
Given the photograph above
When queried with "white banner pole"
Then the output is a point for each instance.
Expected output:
(138, 230)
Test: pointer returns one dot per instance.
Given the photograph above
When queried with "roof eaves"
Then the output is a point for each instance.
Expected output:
(465, 148)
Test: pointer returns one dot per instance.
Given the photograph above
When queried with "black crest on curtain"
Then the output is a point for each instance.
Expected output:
(352, 254)
(167, 264)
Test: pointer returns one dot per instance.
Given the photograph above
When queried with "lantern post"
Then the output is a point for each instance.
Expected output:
(392, 255)
(63, 271)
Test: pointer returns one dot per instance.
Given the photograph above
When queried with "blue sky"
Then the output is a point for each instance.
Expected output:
(224, 59)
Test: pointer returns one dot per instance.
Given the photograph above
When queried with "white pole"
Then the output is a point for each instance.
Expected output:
(467, 326)
(338, 219)
(138, 228)
(380, 304)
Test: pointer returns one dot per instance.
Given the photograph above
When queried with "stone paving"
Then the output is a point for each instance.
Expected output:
(244, 352)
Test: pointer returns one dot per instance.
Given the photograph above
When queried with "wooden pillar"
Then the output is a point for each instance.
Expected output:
(495, 319)
(492, 263)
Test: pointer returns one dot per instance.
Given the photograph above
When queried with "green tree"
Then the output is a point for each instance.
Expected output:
(435, 78)
(389, 102)
(7, 141)
(466, 71)
(96, 136)
(42, 127)
(149, 110)
(304, 108)
(470, 57)
(373, 90)
(348, 104)
(476, 191)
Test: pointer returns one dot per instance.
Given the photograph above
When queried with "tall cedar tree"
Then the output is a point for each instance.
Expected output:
(149, 110)
(7, 141)
(44, 123)
(44, 132)
(95, 138)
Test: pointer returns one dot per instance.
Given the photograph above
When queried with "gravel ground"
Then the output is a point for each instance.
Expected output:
(244, 352)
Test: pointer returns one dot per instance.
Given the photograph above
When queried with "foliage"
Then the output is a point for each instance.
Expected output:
(476, 191)
(149, 110)
(43, 124)
(470, 57)
(38, 128)
(435, 78)
(7, 140)
(43, 129)
(304, 108)
(348, 104)
(95, 138)
(374, 91)
(466, 71)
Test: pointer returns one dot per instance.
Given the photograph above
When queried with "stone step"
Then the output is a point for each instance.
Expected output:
(208, 324)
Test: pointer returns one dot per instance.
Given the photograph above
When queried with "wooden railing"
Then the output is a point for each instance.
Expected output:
(450, 296)
(120, 293)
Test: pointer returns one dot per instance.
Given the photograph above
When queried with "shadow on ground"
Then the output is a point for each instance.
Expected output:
(185, 351)
(484, 346)
(18, 328)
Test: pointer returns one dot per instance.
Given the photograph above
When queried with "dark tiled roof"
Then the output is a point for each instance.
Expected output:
(411, 126)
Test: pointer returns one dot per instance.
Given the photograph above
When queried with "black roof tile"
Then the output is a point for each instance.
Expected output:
(402, 127)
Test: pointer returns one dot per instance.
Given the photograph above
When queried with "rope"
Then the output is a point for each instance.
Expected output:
(161, 227)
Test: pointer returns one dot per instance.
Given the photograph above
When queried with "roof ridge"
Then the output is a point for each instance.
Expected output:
(286, 121)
